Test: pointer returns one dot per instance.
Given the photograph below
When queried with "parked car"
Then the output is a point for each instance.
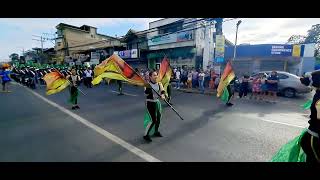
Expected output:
(289, 84)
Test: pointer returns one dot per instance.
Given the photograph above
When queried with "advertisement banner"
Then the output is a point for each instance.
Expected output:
(296, 50)
(184, 36)
(162, 39)
(219, 50)
(134, 53)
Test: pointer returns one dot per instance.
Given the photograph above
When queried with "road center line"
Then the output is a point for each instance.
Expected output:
(99, 130)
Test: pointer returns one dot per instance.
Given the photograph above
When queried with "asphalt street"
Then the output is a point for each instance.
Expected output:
(31, 129)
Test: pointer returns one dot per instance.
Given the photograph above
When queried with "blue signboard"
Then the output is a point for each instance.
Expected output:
(264, 50)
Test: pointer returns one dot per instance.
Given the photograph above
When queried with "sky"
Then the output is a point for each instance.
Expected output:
(17, 33)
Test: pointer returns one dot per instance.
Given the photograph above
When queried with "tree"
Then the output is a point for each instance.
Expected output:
(313, 36)
(14, 57)
(296, 39)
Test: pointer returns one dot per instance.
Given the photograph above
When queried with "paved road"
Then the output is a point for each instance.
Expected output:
(33, 130)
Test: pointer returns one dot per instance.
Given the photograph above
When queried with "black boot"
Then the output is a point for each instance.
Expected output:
(229, 104)
(147, 138)
(157, 134)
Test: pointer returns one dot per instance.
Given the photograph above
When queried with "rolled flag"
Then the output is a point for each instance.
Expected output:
(56, 82)
(116, 68)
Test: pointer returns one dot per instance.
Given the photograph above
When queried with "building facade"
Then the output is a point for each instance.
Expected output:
(295, 59)
(79, 42)
(136, 49)
(187, 42)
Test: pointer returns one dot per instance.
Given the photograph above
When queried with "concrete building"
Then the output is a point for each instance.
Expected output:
(295, 59)
(136, 49)
(78, 42)
(188, 42)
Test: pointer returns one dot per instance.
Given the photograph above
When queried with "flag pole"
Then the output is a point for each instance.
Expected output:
(160, 96)
(70, 82)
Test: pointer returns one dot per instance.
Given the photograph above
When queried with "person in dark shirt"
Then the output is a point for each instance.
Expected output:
(310, 141)
(272, 84)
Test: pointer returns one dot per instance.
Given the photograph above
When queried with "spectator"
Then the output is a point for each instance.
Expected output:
(184, 77)
(194, 79)
(206, 78)
(256, 88)
(244, 86)
(189, 80)
(264, 87)
(272, 83)
(178, 80)
(201, 81)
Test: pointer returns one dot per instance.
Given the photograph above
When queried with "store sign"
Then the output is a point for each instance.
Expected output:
(266, 50)
(133, 53)
(283, 50)
(184, 36)
(219, 50)
(95, 56)
(163, 39)
(171, 38)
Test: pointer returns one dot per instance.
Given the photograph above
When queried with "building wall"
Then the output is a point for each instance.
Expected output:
(74, 37)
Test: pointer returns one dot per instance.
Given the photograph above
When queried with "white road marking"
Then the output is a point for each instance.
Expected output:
(276, 118)
(128, 94)
(101, 131)
(277, 122)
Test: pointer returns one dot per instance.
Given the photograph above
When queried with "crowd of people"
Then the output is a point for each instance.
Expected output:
(263, 88)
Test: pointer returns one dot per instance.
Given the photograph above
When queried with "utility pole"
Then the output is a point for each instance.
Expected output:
(235, 44)
(41, 40)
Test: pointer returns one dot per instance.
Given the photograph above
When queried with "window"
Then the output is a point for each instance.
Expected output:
(59, 33)
(59, 44)
(283, 76)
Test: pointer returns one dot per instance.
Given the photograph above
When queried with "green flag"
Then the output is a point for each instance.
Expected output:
(307, 105)
(225, 95)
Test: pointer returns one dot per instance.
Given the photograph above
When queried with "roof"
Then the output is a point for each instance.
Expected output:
(82, 28)
(137, 33)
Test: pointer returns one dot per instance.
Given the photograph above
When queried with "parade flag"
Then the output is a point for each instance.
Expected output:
(55, 82)
(116, 68)
(165, 73)
(292, 151)
(227, 76)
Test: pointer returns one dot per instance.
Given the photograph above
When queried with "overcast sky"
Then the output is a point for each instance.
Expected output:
(16, 34)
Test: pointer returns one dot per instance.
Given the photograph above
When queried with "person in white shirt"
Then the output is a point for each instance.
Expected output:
(88, 77)
(201, 80)
(178, 74)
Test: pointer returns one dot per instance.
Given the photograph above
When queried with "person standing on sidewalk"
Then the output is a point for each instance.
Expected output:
(194, 78)
(178, 79)
(273, 81)
(244, 86)
(189, 80)
(201, 81)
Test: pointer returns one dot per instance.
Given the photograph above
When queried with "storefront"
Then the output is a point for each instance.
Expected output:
(295, 59)
(179, 57)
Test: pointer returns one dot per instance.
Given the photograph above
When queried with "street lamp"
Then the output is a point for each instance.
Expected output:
(235, 44)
